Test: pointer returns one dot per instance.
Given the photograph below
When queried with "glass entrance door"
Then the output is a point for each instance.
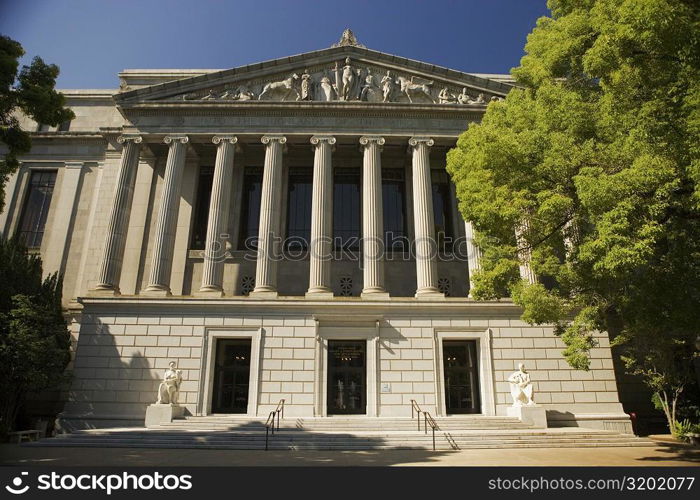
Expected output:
(231, 376)
(347, 376)
(461, 376)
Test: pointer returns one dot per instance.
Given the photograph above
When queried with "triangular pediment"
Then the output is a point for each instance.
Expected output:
(337, 74)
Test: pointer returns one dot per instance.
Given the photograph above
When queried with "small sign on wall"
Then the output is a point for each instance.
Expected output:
(386, 387)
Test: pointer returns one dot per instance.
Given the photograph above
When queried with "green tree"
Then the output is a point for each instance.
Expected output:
(596, 154)
(34, 338)
(30, 92)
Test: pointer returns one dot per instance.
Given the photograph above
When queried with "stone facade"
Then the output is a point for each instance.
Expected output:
(124, 210)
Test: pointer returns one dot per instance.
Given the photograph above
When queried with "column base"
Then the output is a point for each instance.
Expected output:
(374, 295)
(533, 415)
(264, 294)
(429, 294)
(319, 295)
(157, 414)
(104, 292)
(157, 291)
(209, 292)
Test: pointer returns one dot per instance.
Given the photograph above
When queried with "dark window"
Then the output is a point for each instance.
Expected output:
(299, 208)
(42, 127)
(250, 208)
(64, 126)
(36, 207)
(201, 211)
(394, 205)
(442, 208)
(346, 208)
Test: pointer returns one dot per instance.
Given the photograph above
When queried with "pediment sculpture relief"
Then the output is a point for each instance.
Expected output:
(344, 81)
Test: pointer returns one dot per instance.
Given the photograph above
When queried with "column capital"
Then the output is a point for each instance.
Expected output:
(415, 141)
(366, 140)
(267, 139)
(317, 139)
(137, 139)
(218, 139)
(182, 139)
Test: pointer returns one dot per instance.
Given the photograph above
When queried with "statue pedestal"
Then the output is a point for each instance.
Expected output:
(534, 415)
(157, 414)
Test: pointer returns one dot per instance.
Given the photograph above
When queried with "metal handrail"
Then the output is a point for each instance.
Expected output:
(415, 410)
(427, 419)
(270, 422)
(433, 424)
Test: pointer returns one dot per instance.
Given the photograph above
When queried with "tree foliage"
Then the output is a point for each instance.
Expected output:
(34, 339)
(31, 92)
(598, 149)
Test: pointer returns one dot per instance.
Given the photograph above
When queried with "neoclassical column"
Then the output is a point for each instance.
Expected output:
(270, 213)
(118, 222)
(162, 255)
(372, 218)
(524, 252)
(219, 208)
(424, 220)
(473, 254)
(321, 244)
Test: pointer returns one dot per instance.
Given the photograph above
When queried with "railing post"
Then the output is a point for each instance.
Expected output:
(425, 423)
(267, 434)
(433, 438)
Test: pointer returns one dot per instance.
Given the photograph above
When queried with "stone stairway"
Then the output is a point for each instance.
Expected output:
(344, 433)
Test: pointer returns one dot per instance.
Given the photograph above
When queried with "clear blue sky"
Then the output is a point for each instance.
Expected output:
(92, 40)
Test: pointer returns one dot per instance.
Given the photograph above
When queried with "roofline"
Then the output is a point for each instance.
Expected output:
(491, 85)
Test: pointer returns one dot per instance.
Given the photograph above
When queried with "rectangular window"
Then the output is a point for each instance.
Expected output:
(250, 208)
(299, 208)
(442, 208)
(347, 218)
(64, 126)
(394, 206)
(201, 211)
(36, 207)
(42, 127)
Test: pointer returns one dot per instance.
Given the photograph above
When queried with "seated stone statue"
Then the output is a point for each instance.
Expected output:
(445, 97)
(169, 388)
(521, 387)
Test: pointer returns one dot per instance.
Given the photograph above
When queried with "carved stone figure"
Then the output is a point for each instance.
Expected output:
(496, 98)
(169, 388)
(464, 98)
(346, 87)
(370, 90)
(284, 87)
(387, 87)
(242, 93)
(211, 95)
(412, 89)
(307, 86)
(521, 387)
(479, 100)
(445, 97)
(327, 92)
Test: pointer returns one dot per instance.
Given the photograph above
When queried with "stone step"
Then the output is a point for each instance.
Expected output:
(296, 439)
(354, 444)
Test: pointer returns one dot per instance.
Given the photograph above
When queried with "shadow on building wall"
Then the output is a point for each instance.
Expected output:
(111, 384)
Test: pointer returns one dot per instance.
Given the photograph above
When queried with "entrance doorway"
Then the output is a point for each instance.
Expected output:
(231, 376)
(461, 376)
(347, 377)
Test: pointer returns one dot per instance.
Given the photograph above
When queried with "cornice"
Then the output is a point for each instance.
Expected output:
(301, 305)
(342, 109)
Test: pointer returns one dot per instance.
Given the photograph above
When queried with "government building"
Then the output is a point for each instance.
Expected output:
(284, 230)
